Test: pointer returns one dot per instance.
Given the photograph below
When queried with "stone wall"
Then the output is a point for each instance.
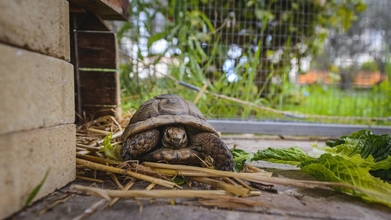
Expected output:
(37, 100)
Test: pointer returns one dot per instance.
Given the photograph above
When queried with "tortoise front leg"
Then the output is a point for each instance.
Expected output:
(139, 143)
(175, 156)
(211, 144)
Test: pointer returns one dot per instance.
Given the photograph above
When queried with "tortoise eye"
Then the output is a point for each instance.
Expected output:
(167, 135)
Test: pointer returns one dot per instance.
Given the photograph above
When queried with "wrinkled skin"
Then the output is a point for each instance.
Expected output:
(175, 156)
(140, 146)
(211, 144)
(174, 136)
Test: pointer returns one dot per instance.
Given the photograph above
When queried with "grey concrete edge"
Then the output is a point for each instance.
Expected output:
(292, 128)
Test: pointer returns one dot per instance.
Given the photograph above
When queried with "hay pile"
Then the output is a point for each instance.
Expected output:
(212, 187)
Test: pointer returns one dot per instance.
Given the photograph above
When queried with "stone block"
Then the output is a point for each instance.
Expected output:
(40, 26)
(35, 90)
(26, 156)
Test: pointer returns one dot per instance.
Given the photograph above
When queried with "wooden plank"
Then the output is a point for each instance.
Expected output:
(94, 47)
(75, 61)
(35, 90)
(97, 50)
(292, 128)
(75, 8)
(26, 156)
(89, 22)
(99, 88)
(106, 9)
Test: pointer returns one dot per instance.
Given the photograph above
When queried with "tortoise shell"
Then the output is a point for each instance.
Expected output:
(165, 110)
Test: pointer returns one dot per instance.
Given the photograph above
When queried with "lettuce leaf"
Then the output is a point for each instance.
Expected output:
(240, 157)
(353, 159)
(110, 151)
(365, 143)
(354, 171)
(362, 142)
(293, 155)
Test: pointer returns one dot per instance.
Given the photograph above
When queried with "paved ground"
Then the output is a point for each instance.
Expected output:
(288, 203)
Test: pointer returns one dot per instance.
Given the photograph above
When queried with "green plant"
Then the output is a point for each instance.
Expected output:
(381, 93)
(258, 38)
(369, 66)
(351, 159)
(36, 190)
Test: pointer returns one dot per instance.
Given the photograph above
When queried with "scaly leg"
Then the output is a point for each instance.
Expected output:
(139, 143)
(211, 144)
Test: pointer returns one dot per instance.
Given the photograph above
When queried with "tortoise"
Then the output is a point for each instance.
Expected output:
(172, 129)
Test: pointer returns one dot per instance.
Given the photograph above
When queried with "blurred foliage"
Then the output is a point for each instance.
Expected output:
(369, 66)
(372, 102)
(321, 100)
(245, 48)
(370, 34)
(383, 89)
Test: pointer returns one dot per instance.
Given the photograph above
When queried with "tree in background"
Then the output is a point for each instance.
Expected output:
(365, 44)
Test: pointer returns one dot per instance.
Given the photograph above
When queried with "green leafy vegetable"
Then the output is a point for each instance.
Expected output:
(354, 171)
(293, 155)
(365, 143)
(179, 180)
(110, 151)
(383, 174)
(356, 159)
(36, 189)
(240, 157)
(362, 142)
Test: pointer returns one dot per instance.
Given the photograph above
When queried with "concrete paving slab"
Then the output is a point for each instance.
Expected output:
(288, 203)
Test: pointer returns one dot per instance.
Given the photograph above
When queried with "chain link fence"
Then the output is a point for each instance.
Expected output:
(306, 67)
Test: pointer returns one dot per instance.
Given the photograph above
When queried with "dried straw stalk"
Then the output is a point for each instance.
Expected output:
(234, 189)
(98, 131)
(127, 187)
(97, 166)
(108, 194)
(89, 179)
(253, 177)
(97, 159)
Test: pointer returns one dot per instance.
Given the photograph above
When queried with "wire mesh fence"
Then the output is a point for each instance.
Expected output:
(262, 60)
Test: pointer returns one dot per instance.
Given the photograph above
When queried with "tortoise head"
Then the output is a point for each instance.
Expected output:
(174, 136)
